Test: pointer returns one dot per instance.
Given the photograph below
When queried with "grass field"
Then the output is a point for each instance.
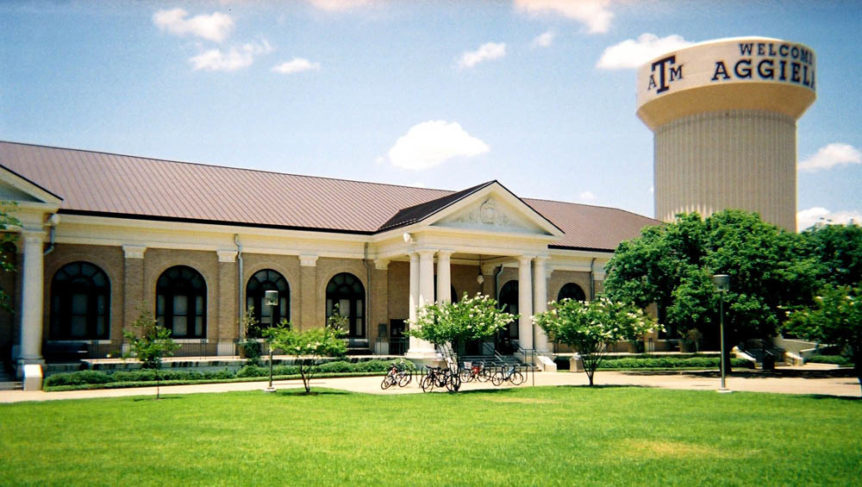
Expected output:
(528, 436)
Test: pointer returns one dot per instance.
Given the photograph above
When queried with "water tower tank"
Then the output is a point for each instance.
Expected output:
(723, 114)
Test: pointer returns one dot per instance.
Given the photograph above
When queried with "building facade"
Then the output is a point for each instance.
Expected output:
(103, 237)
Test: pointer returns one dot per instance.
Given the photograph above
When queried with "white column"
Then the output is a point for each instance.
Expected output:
(525, 302)
(426, 277)
(421, 293)
(540, 301)
(414, 297)
(444, 279)
(32, 297)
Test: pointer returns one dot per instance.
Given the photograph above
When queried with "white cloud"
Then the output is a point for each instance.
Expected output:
(632, 53)
(832, 155)
(811, 216)
(296, 65)
(340, 5)
(215, 27)
(544, 40)
(432, 143)
(595, 14)
(230, 60)
(486, 52)
(586, 197)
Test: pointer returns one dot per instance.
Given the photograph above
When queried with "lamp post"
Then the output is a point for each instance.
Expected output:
(270, 299)
(722, 284)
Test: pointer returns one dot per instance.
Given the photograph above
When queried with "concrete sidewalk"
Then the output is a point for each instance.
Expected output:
(809, 379)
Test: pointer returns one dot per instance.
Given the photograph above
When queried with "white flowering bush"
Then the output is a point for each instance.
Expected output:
(473, 318)
(590, 327)
(306, 346)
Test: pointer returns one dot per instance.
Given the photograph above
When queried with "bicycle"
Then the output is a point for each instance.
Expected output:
(475, 371)
(511, 374)
(397, 375)
(440, 377)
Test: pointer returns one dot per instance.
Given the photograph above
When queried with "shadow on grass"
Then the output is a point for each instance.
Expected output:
(154, 398)
(314, 392)
(826, 396)
(510, 390)
(753, 374)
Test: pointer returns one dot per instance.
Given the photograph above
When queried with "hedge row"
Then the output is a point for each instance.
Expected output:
(659, 362)
(831, 359)
(148, 375)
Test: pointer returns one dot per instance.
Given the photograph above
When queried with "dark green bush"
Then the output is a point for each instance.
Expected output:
(253, 371)
(830, 359)
(335, 367)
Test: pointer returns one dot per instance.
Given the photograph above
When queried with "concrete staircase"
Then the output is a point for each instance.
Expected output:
(8, 382)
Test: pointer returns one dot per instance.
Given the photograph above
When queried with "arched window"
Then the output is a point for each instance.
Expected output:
(181, 302)
(80, 301)
(571, 291)
(260, 282)
(509, 303)
(346, 291)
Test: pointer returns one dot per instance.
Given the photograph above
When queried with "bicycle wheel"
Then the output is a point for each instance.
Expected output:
(454, 383)
(517, 378)
(387, 382)
(466, 375)
(427, 384)
(405, 378)
(484, 375)
(497, 378)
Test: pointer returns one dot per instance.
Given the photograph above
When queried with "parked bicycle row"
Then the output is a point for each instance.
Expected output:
(451, 377)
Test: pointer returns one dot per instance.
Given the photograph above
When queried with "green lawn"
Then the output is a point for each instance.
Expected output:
(526, 436)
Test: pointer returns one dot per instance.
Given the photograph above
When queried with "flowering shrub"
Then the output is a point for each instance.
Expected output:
(473, 318)
(306, 346)
(591, 326)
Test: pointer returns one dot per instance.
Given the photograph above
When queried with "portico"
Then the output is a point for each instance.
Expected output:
(486, 227)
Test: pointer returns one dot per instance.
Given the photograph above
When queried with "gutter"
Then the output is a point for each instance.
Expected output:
(53, 221)
(239, 281)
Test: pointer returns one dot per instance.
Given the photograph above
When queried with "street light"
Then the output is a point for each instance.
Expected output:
(270, 298)
(722, 284)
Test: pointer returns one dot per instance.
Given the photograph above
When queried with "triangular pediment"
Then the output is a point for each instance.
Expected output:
(493, 208)
(14, 187)
(493, 214)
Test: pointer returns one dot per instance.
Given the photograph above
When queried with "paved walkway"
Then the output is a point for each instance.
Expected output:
(810, 379)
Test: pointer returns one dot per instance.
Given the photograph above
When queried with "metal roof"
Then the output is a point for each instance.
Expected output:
(107, 184)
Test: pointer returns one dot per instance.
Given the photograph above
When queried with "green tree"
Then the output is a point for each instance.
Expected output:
(591, 327)
(672, 265)
(7, 241)
(308, 346)
(150, 344)
(473, 318)
(838, 250)
(836, 318)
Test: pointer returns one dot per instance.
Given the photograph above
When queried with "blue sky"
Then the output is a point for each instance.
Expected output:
(440, 94)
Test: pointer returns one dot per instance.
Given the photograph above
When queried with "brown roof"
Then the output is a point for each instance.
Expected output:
(100, 183)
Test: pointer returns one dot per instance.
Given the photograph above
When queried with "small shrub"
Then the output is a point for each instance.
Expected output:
(285, 370)
(252, 371)
(831, 359)
(336, 367)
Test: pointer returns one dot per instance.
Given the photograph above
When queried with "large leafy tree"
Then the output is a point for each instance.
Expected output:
(672, 265)
(836, 319)
(838, 250)
(7, 240)
(592, 327)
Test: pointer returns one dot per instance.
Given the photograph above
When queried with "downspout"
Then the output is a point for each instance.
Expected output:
(53, 220)
(592, 279)
(368, 297)
(497, 283)
(239, 281)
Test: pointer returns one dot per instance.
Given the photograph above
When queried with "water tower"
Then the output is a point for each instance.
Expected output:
(724, 117)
